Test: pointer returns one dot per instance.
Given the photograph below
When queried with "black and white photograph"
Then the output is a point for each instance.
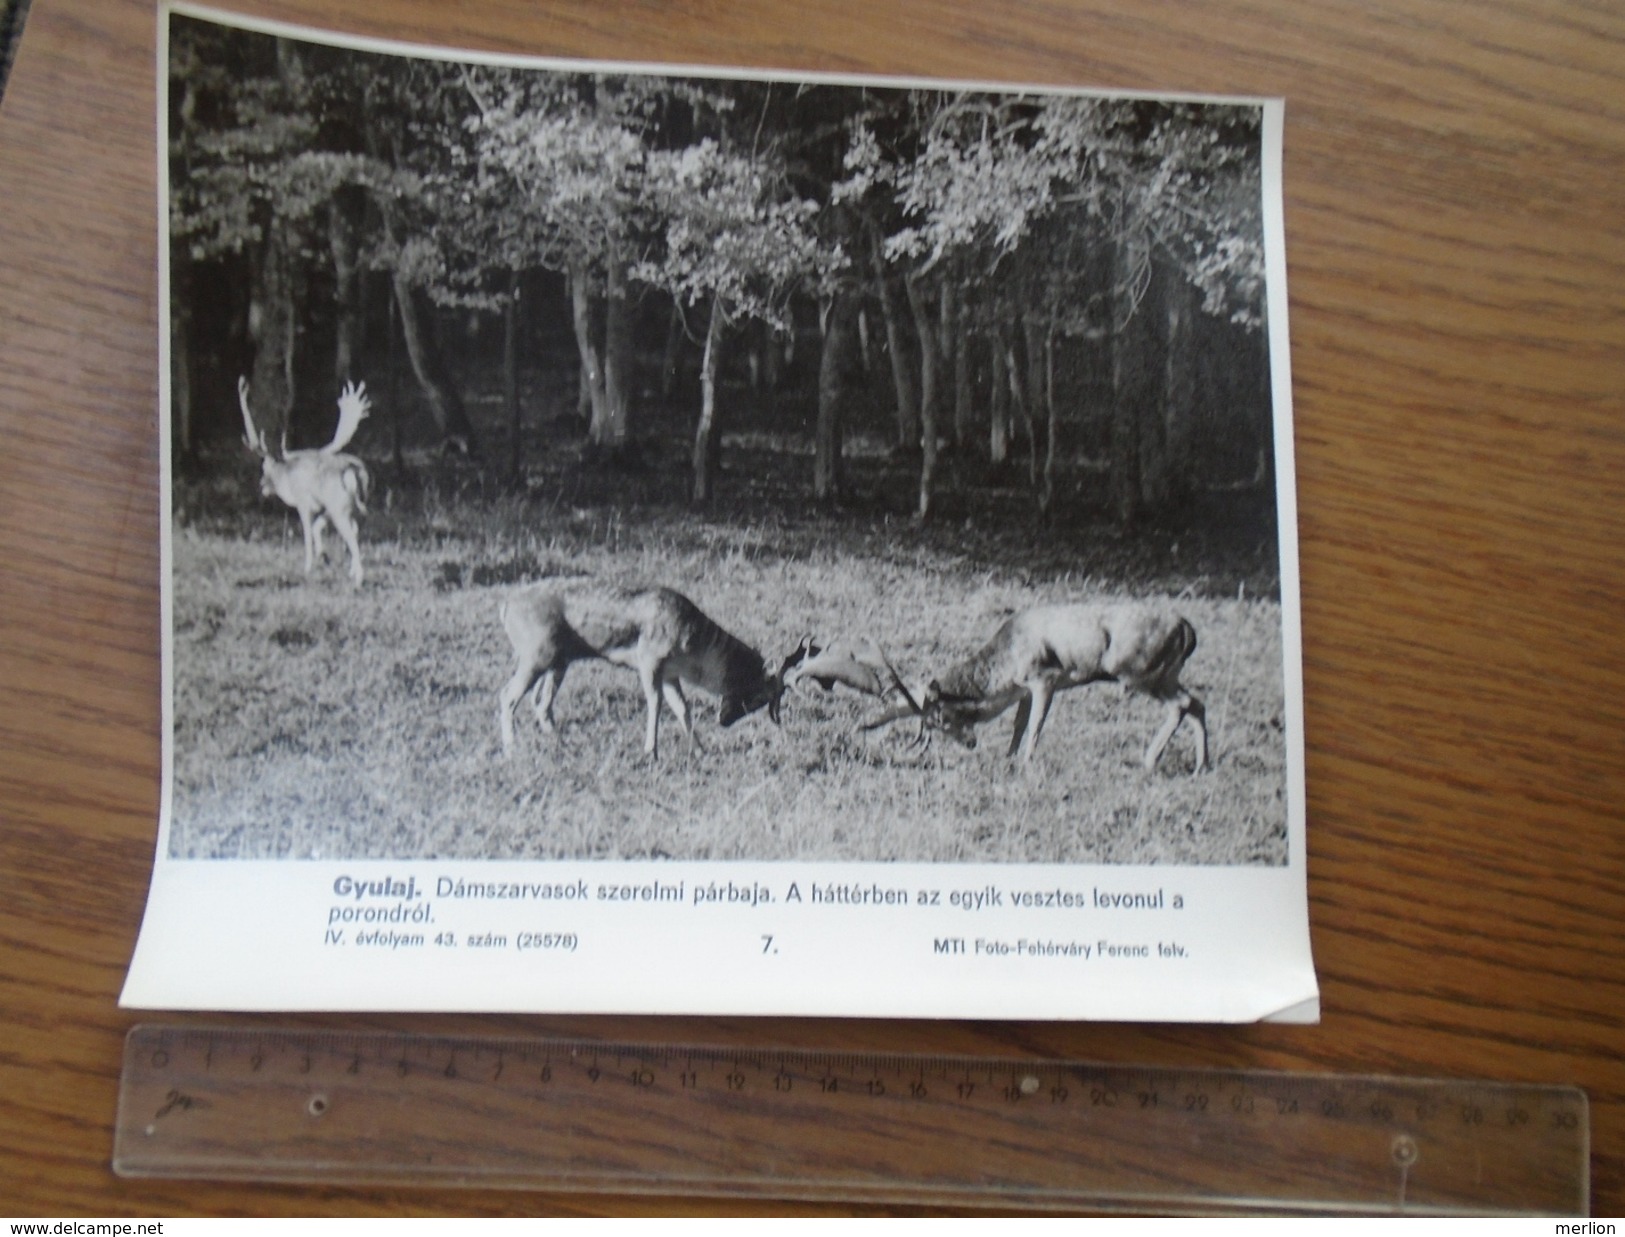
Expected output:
(605, 465)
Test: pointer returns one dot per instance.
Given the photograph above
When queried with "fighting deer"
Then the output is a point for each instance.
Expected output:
(324, 485)
(658, 632)
(1032, 656)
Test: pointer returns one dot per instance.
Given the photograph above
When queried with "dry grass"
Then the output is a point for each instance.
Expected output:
(315, 720)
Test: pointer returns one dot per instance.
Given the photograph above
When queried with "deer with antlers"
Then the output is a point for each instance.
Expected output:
(1033, 655)
(657, 632)
(324, 485)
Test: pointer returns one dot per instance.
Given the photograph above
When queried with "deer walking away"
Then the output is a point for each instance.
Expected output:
(324, 485)
(657, 632)
(1033, 655)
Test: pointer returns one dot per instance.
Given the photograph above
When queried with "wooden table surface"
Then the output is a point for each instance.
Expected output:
(1456, 248)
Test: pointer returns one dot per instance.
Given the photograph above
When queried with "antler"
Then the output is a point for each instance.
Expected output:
(786, 673)
(857, 663)
(255, 438)
(354, 405)
(861, 665)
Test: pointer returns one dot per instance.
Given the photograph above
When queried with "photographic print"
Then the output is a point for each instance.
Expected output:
(611, 491)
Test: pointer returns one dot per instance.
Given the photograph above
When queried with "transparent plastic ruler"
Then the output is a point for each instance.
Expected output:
(255, 1104)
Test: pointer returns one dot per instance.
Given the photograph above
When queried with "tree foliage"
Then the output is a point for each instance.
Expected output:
(1007, 239)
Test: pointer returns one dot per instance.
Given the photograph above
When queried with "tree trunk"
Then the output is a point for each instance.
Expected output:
(953, 348)
(998, 440)
(397, 414)
(270, 327)
(341, 237)
(592, 366)
(510, 378)
(1131, 366)
(708, 433)
(285, 299)
(671, 355)
(295, 291)
(613, 429)
(445, 405)
(962, 387)
(1156, 476)
(1032, 334)
(1125, 432)
(1046, 489)
(772, 368)
(1018, 396)
(1178, 390)
(919, 299)
(827, 478)
(908, 418)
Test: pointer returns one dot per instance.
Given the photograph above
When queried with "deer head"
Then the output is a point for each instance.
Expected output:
(768, 693)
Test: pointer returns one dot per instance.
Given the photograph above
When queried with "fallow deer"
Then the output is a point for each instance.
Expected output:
(658, 632)
(1033, 655)
(323, 485)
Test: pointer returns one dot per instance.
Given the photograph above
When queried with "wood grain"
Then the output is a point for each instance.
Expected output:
(1457, 276)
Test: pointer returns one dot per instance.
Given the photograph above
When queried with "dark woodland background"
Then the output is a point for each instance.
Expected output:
(987, 312)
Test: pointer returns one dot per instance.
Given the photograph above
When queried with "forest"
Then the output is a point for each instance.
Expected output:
(1059, 293)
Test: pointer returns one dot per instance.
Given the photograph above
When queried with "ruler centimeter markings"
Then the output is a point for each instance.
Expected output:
(550, 1114)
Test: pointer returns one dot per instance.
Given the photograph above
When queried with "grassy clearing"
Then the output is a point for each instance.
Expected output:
(313, 720)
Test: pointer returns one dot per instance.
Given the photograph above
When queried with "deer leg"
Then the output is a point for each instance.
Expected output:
(307, 520)
(1197, 712)
(1169, 725)
(1179, 708)
(512, 692)
(542, 703)
(650, 676)
(678, 703)
(318, 526)
(1042, 693)
(349, 533)
(1024, 712)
